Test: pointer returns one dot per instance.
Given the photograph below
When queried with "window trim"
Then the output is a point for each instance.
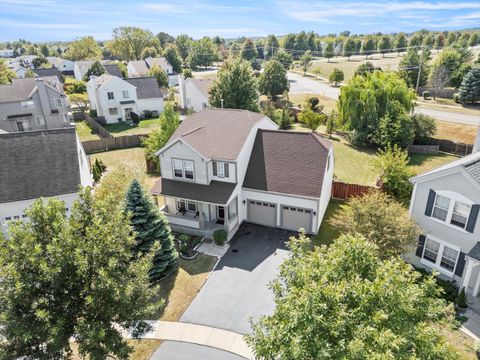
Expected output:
(453, 197)
(436, 265)
(183, 177)
(59, 102)
(222, 176)
(187, 203)
(108, 95)
(40, 120)
(125, 92)
(28, 104)
(109, 112)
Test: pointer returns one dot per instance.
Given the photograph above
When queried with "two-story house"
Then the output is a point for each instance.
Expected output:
(80, 69)
(41, 163)
(140, 68)
(445, 204)
(193, 93)
(116, 99)
(33, 104)
(222, 167)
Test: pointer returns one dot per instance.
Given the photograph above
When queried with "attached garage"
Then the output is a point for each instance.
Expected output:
(263, 213)
(294, 218)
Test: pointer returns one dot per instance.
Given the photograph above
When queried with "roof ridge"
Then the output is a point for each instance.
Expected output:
(191, 131)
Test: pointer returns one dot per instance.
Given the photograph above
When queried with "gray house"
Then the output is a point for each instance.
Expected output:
(33, 104)
(445, 204)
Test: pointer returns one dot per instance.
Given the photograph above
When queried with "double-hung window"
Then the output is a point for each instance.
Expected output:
(440, 207)
(29, 104)
(451, 211)
(183, 169)
(40, 120)
(220, 169)
(440, 255)
(125, 94)
(110, 95)
(59, 102)
(189, 206)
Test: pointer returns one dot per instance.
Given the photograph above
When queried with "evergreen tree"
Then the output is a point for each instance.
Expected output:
(329, 51)
(152, 232)
(470, 86)
(96, 69)
(249, 51)
(368, 46)
(349, 47)
(400, 42)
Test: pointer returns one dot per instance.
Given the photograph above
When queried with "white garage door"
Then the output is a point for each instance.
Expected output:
(294, 218)
(263, 213)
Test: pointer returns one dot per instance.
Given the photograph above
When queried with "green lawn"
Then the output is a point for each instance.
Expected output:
(327, 233)
(144, 127)
(84, 132)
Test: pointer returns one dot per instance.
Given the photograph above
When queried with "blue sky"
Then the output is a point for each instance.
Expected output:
(42, 20)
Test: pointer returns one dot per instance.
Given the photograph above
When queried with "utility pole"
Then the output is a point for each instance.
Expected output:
(419, 71)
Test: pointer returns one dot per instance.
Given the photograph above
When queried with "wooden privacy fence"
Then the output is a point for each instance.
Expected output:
(113, 143)
(343, 191)
(424, 149)
(453, 147)
(97, 128)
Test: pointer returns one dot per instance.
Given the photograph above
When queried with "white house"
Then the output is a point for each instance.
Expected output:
(80, 69)
(139, 68)
(222, 167)
(44, 163)
(65, 66)
(445, 204)
(193, 93)
(115, 98)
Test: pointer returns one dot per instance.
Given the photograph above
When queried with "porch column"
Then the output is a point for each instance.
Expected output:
(226, 218)
(477, 285)
(468, 275)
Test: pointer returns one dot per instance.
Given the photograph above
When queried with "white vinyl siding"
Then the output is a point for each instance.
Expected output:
(451, 211)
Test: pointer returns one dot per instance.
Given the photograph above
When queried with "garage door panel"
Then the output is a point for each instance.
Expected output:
(260, 212)
(294, 218)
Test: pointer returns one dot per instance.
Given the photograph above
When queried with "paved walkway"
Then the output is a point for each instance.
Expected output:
(198, 334)
(208, 248)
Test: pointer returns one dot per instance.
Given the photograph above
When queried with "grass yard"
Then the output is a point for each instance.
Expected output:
(461, 343)
(144, 127)
(456, 132)
(327, 233)
(84, 131)
(133, 159)
(179, 289)
(329, 104)
(143, 349)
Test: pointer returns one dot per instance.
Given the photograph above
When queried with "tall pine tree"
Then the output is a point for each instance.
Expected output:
(151, 229)
(470, 87)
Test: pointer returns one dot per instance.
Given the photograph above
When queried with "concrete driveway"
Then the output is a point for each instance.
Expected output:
(173, 350)
(237, 289)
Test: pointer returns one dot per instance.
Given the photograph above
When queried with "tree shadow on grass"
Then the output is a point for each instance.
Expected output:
(166, 286)
(420, 159)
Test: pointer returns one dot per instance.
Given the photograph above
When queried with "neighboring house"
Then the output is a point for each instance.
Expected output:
(6, 53)
(140, 68)
(44, 163)
(445, 204)
(18, 69)
(222, 167)
(115, 98)
(33, 104)
(26, 61)
(193, 93)
(49, 73)
(65, 66)
(80, 69)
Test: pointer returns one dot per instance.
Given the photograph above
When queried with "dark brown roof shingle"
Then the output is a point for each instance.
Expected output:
(288, 162)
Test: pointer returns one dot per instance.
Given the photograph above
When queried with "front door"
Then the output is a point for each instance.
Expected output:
(128, 112)
(220, 214)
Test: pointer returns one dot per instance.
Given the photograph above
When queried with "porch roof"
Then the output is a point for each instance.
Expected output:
(218, 192)
(474, 253)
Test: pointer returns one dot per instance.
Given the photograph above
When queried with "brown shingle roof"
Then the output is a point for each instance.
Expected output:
(217, 133)
(288, 162)
(217, 192)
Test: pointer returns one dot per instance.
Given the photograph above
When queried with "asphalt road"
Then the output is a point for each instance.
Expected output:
(300, 84)
(173, 350)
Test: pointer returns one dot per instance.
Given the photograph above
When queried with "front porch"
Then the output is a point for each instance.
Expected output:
(199, 218)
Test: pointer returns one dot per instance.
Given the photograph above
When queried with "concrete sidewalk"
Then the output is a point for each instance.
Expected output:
(198, 334)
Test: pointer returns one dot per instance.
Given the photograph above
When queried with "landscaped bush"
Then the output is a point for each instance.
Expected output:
(424, 128)
(313, 101)
(220, 236)
(135, 118)
(426, 94)
(456, 97)
(462, 299)
(93, 113)
(450, 290)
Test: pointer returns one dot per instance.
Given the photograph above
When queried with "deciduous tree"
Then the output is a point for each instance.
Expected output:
(273, 80)
(364, 307)
(72, 277)
(235, 86)
(349, 47)
(400, 42)
(336, 76)
(158, 73)
(173, 57)
(129, 42)
(384, 44)
(329, 50)
(285, 58)
(368, 46)
(203, 52)
(85, 48)
(249, 51)
(96, 69)
(183, 43)
(6, 75)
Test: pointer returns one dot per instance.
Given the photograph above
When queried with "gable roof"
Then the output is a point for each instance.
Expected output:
(288, 162)
(469, 165)
(203, 85)
(83, 66)
(160, 61)
(21, 89)
(40, 163)
(140, 67)
(113, 69)
(217, 133)
(147, 87)
(49, 72)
